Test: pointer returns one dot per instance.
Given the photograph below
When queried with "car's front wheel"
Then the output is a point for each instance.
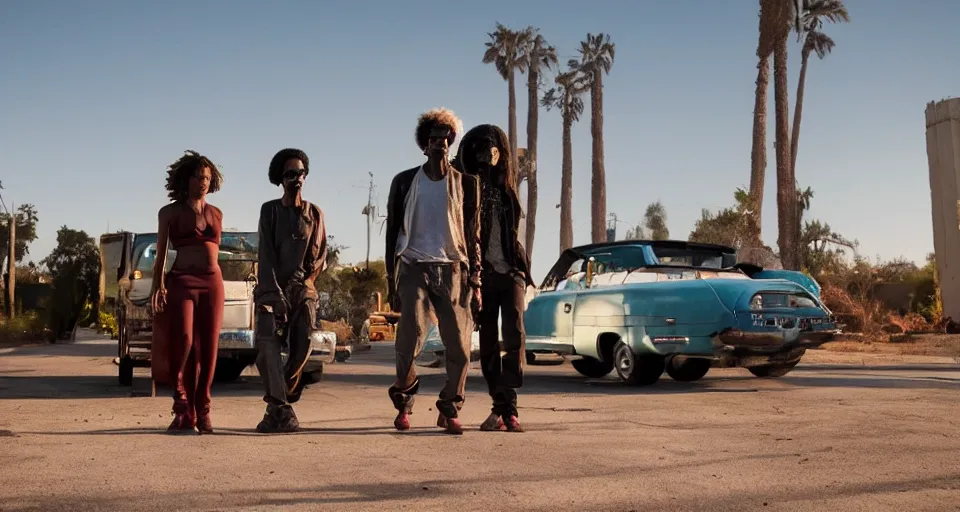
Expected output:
(687, 369)
(641, 370)
(593, 368)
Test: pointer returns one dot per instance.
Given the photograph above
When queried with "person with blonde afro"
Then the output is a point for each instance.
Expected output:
(433, 262)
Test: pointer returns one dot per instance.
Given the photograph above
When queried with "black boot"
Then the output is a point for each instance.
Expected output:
(278, 420)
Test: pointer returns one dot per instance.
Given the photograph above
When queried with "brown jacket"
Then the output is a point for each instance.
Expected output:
(292, 253)
(470, 210)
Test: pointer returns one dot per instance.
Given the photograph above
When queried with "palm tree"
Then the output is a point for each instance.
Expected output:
(782, 20)
(596, 59)
(508, 49)
(566, 96)
(540, 56)
(815, 42)
(758, 154)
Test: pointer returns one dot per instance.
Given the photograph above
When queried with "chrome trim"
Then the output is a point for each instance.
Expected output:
(667, 340)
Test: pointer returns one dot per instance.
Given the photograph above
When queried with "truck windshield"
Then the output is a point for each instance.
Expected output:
(238, 253)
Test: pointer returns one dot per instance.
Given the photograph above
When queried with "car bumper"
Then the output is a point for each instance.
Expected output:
(323, 344)
(745, 343)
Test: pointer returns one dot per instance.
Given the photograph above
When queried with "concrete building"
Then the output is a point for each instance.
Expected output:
(943, 157)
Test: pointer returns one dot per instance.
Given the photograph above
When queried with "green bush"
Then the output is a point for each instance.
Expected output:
(107, 324)
(26, 327)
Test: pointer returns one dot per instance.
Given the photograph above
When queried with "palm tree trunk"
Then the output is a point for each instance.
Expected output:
(598, 205)
(512, 125)
(786, 184)
(794, 143)
(566, 183)
(797, 111)
(758, 155)
(533, 111)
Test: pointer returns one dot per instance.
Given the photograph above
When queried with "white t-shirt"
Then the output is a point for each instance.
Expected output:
(429, 233)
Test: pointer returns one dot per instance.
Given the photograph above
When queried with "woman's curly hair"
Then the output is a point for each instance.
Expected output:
(186, 167)
(280, 159)
(433, 118)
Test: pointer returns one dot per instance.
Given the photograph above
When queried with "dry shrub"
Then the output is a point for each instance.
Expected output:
(341, 327)
(909, 323)
(860, 314)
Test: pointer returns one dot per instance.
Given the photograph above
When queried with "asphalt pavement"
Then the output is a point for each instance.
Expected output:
(841, 432)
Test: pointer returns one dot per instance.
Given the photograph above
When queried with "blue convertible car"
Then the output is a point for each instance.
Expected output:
(644, 307)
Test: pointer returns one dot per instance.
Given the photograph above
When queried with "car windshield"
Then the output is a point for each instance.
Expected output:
(617, 258)
(689, 257)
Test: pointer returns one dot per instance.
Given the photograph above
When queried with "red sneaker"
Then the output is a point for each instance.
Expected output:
(493, 423)
(450, 425)
(513, 425)
(402, 421)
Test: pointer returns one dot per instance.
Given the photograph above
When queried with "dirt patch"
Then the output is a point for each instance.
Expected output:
(944, 345)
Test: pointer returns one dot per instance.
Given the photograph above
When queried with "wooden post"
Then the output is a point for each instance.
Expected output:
(12, 280)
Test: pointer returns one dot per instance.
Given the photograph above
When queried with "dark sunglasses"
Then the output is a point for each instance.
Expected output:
(291, 174)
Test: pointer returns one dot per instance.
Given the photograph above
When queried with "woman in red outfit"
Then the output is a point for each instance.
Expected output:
(189, 299)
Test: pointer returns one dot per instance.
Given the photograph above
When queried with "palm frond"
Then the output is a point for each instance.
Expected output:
(819, 43)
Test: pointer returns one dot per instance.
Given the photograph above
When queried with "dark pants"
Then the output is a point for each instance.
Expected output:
(195, 313)
(503, 295)
(442, 287)
(282, 382)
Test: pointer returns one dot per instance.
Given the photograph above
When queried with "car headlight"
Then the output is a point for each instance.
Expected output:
(780, 300)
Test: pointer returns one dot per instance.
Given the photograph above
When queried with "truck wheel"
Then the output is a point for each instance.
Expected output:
(639, 370)
(593, 368)
(125, 371)
(773, 371)
(229, 370)
(314, 375)
(687, 369)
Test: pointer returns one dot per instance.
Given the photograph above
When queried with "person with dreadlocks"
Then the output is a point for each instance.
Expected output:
(292, 254)
(187, 302)
(433, 260)
(485, 152)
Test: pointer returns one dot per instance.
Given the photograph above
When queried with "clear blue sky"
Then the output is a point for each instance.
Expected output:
(98, 97)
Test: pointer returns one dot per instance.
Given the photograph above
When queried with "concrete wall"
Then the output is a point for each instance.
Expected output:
(943, 156)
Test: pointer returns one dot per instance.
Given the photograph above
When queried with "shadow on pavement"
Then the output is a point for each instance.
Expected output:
(415, 491)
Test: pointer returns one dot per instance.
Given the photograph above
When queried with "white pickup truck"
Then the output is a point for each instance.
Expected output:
(126, 277)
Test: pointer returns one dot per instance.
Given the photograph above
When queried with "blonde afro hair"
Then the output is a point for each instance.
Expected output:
(437, 117)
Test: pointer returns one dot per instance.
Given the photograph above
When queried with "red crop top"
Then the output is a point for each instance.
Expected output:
(184, 231)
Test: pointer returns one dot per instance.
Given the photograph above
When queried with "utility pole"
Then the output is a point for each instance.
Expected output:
(370, 211)
(12, 265)
(612, 228)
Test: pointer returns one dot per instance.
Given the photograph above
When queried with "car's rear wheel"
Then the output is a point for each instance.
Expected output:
(640, 370)
(593, 368)
(687, 369)
(772, 371)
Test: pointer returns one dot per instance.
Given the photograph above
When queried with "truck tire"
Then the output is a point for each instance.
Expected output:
(125, 371)
(229, 370)
(593, 368)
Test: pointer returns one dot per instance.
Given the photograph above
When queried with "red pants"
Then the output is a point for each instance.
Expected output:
(193, 316)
